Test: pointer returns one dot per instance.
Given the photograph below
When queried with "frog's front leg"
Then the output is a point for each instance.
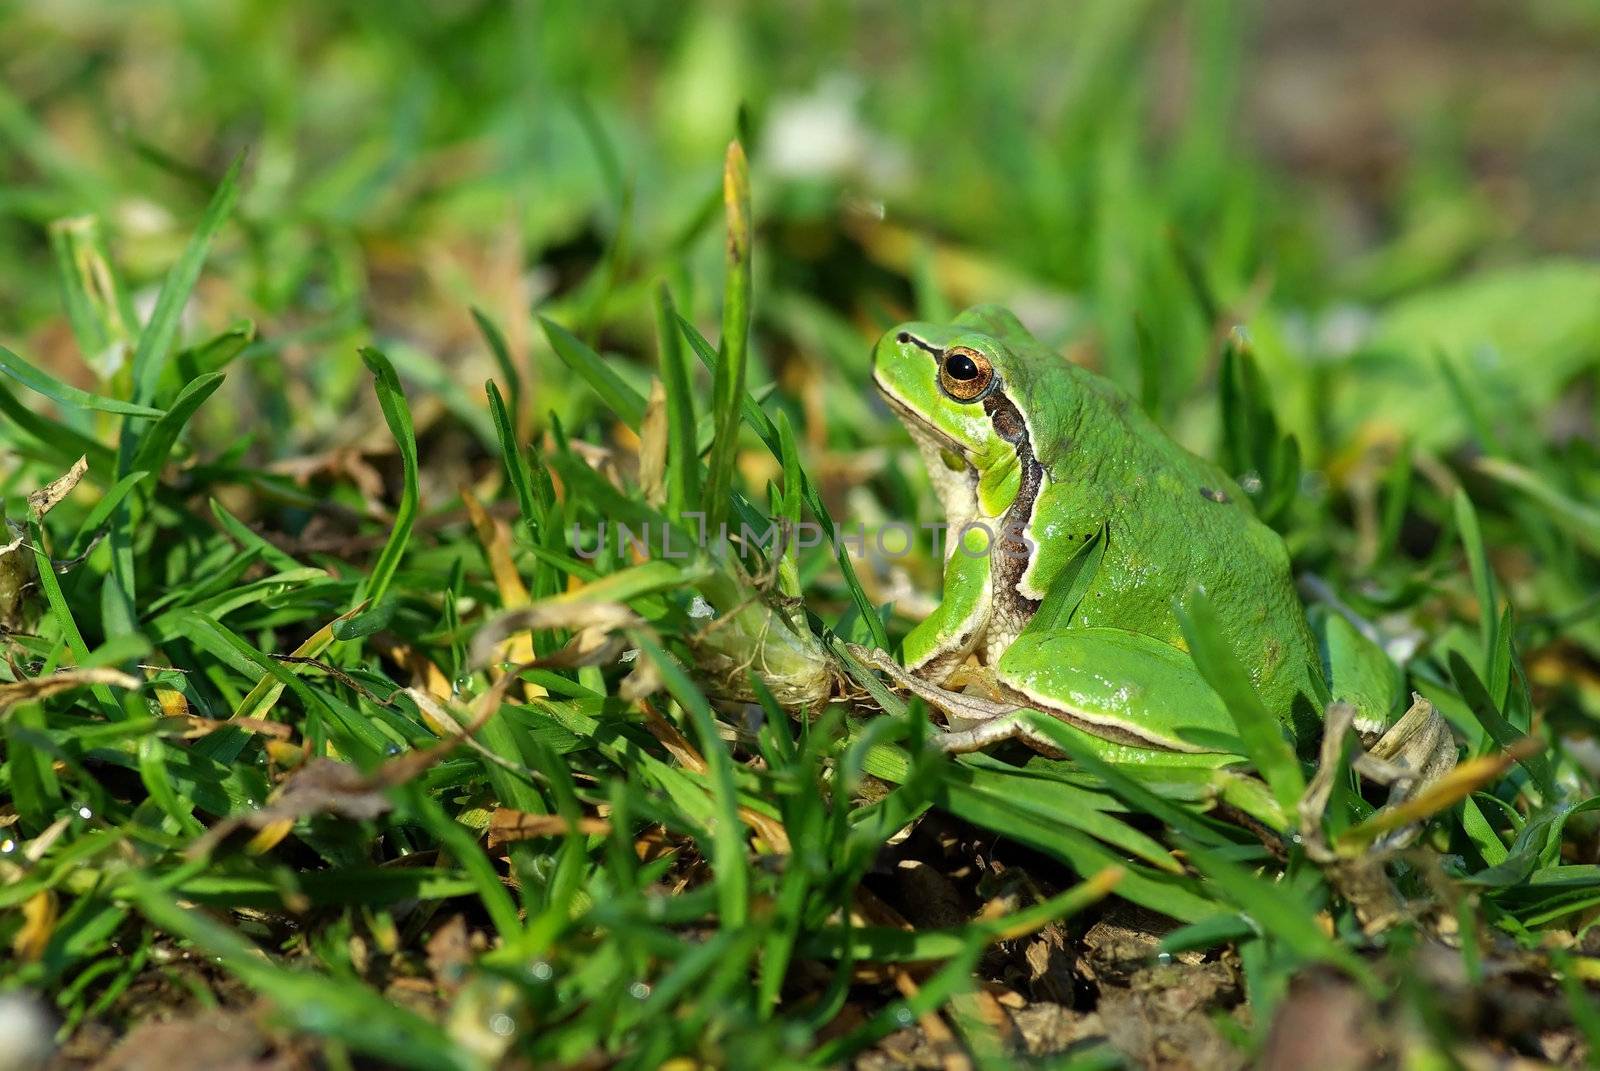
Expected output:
(941, 642)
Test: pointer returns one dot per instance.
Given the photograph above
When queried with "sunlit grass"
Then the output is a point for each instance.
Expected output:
(306, 679)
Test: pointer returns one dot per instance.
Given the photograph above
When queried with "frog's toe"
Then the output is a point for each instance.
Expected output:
(1414, 753)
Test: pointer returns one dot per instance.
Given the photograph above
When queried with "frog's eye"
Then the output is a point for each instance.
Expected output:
(965, 373)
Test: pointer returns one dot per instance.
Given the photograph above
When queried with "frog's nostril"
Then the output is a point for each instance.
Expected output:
(903, 337)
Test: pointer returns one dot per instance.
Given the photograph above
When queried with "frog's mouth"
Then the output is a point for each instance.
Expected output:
(920, 427)
(948, 464)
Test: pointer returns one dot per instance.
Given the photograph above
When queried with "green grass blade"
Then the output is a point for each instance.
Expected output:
(728, 837)
(157, 443)
(1502, 732)
(1280, 911)
(64, 444)
(155, 340)
(727, 391)
(502, 356)
(1578, 519)
(768, 432)
(37, 381)
(95, 298)
(620, 398)
(683, 459)
(1260, 732)
(511, 456)
(392, 400)
(1482, 574)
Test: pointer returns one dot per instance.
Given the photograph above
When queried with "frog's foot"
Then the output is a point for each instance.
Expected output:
(977, 722)
(1414, 753)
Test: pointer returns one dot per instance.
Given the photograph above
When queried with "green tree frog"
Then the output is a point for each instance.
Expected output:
(1031, 457)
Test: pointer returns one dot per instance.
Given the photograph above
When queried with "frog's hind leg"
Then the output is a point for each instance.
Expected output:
(1414, 753)
(988, 721)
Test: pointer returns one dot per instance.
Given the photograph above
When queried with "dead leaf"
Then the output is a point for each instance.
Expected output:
(19, 579)
(341, 461)
(38, 924)
(44, 500)
(449, 953)
(1449, 790)
(326, 786)
(438, 714)
(40, 846)
(30, 689)
(643, 681)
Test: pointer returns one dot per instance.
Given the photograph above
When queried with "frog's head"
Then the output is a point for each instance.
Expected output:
(955, 387)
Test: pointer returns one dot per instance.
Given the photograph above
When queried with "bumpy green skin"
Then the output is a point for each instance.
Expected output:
(1174, 520)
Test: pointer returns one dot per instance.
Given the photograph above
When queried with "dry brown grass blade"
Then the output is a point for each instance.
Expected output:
(653, 446)
(196, 726)
(507, 826)
(39, 913)
(425, 674)
(594, 622)
(495, 536)
(30, 689)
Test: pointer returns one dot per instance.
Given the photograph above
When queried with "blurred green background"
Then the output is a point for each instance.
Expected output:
(1095, 164)
(1391, 203)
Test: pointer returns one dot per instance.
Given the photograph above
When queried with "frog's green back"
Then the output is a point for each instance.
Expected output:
(1174, 519)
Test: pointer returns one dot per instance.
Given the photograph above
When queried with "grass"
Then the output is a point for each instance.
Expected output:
(310, 696)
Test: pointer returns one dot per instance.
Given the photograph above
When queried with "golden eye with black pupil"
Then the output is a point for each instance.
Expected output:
(964, 373)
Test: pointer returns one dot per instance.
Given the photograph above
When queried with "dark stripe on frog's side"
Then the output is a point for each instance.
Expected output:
(1012, 551)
